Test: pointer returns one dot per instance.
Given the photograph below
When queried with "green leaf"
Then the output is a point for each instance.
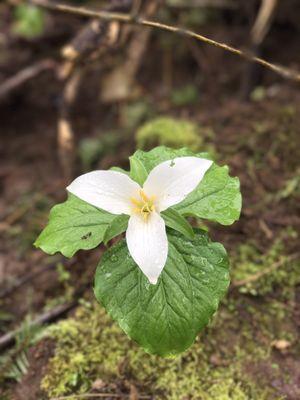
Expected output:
(175, 221)
(164, 318)
(118, 169)
(118, 226)
(137, 170)
(74, 225)
(216, 198)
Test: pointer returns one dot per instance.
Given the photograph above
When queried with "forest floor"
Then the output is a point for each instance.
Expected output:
(251, 348)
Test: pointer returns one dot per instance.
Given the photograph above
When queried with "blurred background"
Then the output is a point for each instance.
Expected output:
(78, 94)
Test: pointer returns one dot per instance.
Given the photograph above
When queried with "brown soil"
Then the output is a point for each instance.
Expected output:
(38, 357)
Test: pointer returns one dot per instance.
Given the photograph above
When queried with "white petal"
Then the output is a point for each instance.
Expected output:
(171, 181)
(109, 190)
(148, 244)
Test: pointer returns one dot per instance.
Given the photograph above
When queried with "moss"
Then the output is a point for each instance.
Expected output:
(80, 353)
(91, 346)
(169, 132)
(280, 271)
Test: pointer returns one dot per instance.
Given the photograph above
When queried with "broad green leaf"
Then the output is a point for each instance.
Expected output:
(118, 169)
(137, 170)
(164, 318)
(118, 226)
(74, 225)
(216, 198)
(176, 221)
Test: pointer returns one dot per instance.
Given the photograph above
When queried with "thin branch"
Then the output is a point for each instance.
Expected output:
(48, 316)
(35, 272)
(263, 21)
(65, 134)
(96, 34)
(25, 279)
(26, 74)
(117, 84)
(98, 396)
(283, 71)
(230, 4)
(266, 271)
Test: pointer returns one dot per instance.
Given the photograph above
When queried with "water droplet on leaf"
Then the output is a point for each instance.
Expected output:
(114, 258)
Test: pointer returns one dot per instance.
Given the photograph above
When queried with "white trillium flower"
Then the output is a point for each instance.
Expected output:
(166, 185)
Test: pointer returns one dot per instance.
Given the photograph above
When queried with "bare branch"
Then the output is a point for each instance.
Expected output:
(118, 84)
(65, 134)
(48, 316)
(231, 4)
(266, 271)
(284, 72)
(263, 21)
(26, 74)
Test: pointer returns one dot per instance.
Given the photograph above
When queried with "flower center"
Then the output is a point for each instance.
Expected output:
(144, 205)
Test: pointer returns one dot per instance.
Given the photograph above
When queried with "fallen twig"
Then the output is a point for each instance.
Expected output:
(24, 279)
(98, 396)
(18, 213)
(231, 4)
(266, 271)
(129, 19)
(26, 74)
(33, 274)
(48, 316)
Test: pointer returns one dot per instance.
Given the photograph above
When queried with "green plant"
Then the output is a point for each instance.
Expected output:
(165, 281)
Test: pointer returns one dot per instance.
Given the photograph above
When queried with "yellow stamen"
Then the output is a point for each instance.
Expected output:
(136, 202)
(144, 196)
(144, 206)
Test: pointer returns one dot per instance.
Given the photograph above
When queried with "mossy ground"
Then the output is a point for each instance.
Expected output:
(228, 360)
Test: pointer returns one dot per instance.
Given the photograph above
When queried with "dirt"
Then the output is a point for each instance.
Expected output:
(38, 356)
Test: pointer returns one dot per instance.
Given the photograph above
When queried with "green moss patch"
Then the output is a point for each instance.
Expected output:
(169, 132)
